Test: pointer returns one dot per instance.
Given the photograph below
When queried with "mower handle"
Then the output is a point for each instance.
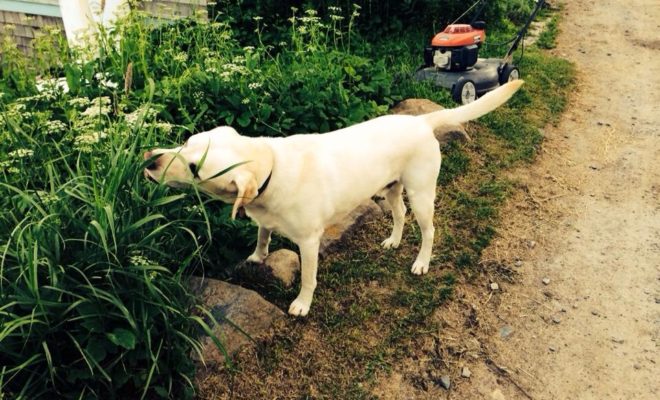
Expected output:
(521, 33)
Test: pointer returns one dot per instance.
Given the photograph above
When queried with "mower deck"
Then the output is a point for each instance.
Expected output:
(484, 74)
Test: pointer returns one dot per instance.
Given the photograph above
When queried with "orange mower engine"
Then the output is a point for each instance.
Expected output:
(457, 47)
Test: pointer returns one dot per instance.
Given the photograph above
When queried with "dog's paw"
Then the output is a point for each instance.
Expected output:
(390, 243)
(299, 308)
(256, 258)
(419, 268)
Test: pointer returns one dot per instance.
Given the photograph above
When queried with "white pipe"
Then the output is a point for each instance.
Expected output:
(78, 21)
(114, 9)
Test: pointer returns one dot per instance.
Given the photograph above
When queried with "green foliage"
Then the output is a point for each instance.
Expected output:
(93, 265)
(548, 37)
(94, 260)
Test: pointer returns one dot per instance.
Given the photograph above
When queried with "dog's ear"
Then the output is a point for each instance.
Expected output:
(247, 190)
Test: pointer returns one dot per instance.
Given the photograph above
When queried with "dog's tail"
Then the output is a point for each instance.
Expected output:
(476, 109)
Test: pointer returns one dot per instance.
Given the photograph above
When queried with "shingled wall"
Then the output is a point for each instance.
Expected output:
(24, 27)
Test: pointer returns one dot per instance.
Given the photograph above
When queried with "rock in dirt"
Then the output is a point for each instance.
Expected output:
(445, 133)
(284, 264)
(494, 286)
(465, 372)
(506, 331)
(243, 307)
(279, 266)
(497, 395)
(334, 233)
(546, 281)
(445, 381)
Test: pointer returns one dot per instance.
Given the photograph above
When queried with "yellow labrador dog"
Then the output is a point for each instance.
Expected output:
(299, 185)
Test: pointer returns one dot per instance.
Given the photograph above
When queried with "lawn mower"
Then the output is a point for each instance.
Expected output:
(452, 60)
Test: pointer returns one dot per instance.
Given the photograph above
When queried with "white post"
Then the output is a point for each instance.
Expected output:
(114, 9)
(81, 17)
(78, 21)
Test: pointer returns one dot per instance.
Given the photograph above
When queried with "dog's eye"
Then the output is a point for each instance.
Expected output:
(193, 169)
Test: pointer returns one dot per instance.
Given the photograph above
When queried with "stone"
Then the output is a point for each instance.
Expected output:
(333, 234)
(445, 133)
(465, 372)
(556, 320)
(518, 263)
(506, 331)
(284, 265)
(494, 286)
(244, 308)
(281, 266)
(497, 395)
(445, 381)
(546, 281)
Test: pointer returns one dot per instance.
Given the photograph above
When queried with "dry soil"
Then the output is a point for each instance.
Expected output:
(583, 234)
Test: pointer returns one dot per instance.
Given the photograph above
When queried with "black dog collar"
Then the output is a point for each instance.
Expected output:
(265, 185)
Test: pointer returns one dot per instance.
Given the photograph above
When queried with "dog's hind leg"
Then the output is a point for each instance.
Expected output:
(394, 198)
(422, 205)
(309, 256)
(419, 180)
(261, 251)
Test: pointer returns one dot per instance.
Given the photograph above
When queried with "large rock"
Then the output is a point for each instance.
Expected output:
(284, 265)
(445, 133)
(337, 230)
(280, 266)
(243, 307)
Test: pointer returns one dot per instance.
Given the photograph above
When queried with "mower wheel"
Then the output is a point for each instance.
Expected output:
(509, 73)
(464, 91)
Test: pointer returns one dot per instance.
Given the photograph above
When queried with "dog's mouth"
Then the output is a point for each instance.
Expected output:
(149, 177)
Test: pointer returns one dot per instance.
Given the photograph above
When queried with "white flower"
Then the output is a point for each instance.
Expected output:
(245, 101)
(55, 127)
(144, 112)
(164, 127)
(20, 153)
(46, 197)
(255, 85)
(79, 102)
(52, 85)
(99, 106)
(109, 84)
(85, 142)
(257, 18)
(181, 57)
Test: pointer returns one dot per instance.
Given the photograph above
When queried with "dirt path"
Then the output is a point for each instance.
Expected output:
(587, 219)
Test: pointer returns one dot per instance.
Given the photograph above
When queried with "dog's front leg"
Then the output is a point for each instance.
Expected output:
(309, 254)
(261, 251)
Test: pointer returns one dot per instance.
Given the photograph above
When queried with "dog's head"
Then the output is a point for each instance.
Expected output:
(219, 162)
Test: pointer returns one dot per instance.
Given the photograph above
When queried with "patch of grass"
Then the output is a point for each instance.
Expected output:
(370, 311)
(548, 38)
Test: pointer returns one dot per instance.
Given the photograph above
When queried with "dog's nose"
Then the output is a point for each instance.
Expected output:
(148, 155)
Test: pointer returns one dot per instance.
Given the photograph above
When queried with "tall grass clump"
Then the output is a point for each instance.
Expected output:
(94, 260)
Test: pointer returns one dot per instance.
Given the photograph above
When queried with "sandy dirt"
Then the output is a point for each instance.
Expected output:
(587, 221)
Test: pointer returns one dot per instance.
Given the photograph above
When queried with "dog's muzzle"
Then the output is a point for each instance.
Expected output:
(148, 155)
